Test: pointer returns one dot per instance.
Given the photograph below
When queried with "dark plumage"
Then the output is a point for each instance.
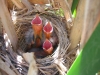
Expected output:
(29, 38)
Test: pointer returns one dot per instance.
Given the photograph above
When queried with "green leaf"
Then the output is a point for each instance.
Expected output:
(74, 14)
(74, 5)
(60, 12)
(88, 62)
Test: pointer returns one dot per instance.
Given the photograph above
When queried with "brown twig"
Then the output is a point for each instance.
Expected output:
(18, 4)
(6, 68)
(67, 12)
(70, 3)
(27, 4)
(7, 23)
(91, 20)
(76, 30)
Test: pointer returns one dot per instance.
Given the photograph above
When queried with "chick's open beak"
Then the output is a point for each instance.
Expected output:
(37, 26)
(47, 46)
(48, 29)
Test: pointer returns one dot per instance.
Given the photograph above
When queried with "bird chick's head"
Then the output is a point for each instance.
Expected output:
(36, 20)
(48, 28)
(47, 46)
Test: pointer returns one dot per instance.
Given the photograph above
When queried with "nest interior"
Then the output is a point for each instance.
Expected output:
(55, 64)
(23, 23)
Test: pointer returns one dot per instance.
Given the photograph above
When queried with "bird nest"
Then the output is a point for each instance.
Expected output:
(52, 64)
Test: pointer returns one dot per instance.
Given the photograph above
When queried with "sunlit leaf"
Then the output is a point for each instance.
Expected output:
(88, 62)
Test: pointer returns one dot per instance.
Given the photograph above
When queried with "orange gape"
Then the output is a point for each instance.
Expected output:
(47, 47)
(37, 26)
(49, 51)
(47, 35)
(38, 42)
(37, 30)
(48, 29)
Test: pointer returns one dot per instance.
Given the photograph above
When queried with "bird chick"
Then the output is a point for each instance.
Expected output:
(48, 29)
(29, 38)
(47, 47)
(37, 26)
(38, 42)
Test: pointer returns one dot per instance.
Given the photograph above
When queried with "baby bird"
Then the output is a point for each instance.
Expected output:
(29, 37)
(48, 29)
(47, 47)
(37, 26)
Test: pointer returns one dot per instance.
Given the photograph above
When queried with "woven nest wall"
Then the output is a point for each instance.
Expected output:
(22, 21)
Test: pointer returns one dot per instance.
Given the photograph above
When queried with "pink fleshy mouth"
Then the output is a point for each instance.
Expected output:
(37, 20)
(47, 45)
(48, 27)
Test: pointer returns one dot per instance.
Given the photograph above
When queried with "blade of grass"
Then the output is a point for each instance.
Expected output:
(88, 62)
(8, 24)
(74, 5)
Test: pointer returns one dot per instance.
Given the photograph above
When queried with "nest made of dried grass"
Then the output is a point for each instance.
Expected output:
(22, 21)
